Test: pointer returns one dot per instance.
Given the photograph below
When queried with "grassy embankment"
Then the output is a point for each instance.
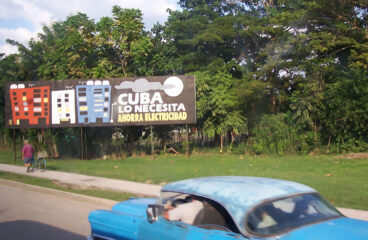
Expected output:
(344, 182)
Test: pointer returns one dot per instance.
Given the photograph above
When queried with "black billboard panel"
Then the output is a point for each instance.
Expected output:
(101, 102)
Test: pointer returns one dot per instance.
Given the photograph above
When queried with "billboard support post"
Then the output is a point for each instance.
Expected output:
(14, 146)
(152, 145)
(187, 140)
(81, 142)
(85, 144)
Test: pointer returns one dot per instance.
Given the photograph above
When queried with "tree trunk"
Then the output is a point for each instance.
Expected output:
(6, 146)
(123, 67)
(315, 136)
(131, 148)
(221, 143)
(274, 101)
(232, 139)
(202, 139)
(55, 150)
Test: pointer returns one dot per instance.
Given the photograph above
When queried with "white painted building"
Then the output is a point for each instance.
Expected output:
(63, 106)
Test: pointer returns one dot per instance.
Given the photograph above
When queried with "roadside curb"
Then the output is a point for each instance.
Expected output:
(89, 182)
(354, 213)
(94, 200)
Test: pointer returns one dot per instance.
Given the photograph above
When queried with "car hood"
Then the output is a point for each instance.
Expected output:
(341, 228)
(122, 221)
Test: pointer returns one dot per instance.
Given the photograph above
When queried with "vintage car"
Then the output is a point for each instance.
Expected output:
(232, 208)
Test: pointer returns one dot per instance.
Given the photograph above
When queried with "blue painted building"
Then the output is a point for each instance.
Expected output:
(93, 102)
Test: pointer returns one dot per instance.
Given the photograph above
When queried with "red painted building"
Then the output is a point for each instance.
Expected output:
(30, 104)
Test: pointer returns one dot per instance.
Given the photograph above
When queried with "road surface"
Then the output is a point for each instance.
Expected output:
(28, 212)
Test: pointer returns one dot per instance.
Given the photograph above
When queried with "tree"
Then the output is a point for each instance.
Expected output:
(10, 71)
(164, 56)
(204, 35)
(123, 41)
(217, 109)
(346, 120)
(68, 49)
(279, 67)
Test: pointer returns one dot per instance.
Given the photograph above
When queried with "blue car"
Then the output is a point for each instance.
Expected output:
(227, 208)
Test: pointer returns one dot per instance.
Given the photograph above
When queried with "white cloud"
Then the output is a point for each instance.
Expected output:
(20, 34)
(44, 12)
(8, 49)
(153, 11)
(31, 12)
(9, 9)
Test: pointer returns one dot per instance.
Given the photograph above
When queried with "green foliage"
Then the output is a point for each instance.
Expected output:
(216, 104)
(68, 49)
(68, 142)
(123, 42)
(346, 112)
(273, 135)
(164, 54)
(285, 68)
(277, 134)
(9, 71)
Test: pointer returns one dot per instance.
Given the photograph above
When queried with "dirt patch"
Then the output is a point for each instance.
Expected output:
(70, 186)
(353, 156)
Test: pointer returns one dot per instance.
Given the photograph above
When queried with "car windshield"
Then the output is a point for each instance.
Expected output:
(282, 215)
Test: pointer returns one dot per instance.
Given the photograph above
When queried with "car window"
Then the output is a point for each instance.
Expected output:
(211, 215)
(167, 198)
(215, 216)
(284, 214)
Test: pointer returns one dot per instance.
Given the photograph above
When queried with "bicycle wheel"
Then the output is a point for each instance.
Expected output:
(33, 165)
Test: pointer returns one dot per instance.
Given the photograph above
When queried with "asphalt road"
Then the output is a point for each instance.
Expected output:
(28, 212)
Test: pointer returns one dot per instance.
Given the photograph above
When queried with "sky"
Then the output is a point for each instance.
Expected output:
(20, 20)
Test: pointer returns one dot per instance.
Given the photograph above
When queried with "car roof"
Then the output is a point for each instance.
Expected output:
(238, 194)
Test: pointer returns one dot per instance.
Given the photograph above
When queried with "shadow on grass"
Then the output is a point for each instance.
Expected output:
(52, 168)
(30, 230)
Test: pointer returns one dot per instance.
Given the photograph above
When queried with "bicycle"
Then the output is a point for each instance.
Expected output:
(40, 163)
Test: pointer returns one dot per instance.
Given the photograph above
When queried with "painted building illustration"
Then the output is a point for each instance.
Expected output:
(63, 107)
(30, 105)
(93, 102)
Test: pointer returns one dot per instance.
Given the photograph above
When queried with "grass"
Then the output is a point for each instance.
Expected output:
(344, 182)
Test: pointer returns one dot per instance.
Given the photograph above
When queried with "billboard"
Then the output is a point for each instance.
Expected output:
(101, 102)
